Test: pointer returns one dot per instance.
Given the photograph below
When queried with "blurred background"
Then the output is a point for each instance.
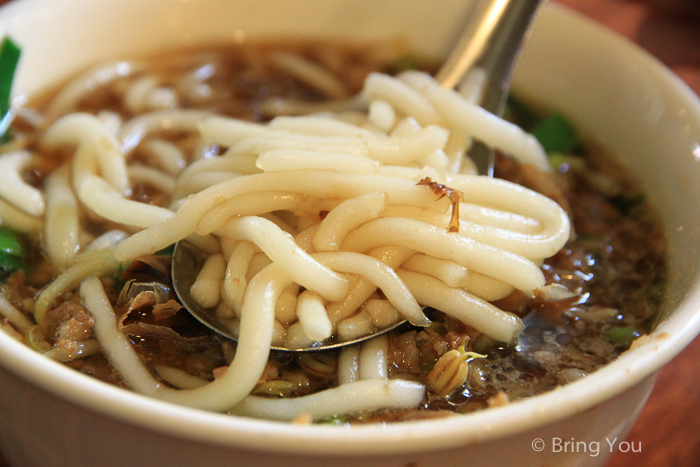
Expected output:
(668, 428)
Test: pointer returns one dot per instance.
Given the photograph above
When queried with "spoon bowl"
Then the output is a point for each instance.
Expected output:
(491, 43)
(187, 261)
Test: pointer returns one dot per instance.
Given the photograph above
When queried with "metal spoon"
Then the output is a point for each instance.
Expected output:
(492, 40)
(187, 260)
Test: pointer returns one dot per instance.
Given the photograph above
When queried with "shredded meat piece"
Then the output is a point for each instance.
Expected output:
(19, 293)
(412, 352)
(455, 197)
(404, 352)
(69, 320)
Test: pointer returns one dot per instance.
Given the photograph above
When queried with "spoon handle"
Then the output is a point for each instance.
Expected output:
(493, 40)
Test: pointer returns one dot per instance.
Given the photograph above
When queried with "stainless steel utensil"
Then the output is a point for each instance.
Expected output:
(492, 41)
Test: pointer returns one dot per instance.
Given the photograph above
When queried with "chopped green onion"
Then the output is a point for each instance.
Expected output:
(9, 57)
(622, 336)
(556, 134)
(12, 253)
(11, 243)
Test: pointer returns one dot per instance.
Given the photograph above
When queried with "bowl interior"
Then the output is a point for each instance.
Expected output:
(610, 89)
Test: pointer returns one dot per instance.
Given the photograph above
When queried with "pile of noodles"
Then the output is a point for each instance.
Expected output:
(304, 219)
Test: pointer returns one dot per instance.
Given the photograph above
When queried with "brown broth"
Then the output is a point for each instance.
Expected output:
(614, 262)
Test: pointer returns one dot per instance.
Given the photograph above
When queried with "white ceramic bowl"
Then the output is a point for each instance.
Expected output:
(53, 416)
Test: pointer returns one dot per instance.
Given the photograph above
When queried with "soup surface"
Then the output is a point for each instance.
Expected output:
(610, 270)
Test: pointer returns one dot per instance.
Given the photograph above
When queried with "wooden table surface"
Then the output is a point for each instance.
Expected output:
(669, 426)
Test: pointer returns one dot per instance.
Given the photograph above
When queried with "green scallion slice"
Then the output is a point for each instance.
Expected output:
(9, 57)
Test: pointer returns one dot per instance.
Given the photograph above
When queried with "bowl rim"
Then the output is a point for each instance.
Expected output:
(229, 431)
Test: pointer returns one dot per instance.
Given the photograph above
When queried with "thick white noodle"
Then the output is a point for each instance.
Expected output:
(14, 316)
(492, 261)
(17, 219)
(349, 364)
(275, 106)
(347, 216)
(279, 139)
(98, 263)
(279, 160)
(115, 344)
(472, 86)
(285, 310)
(96, 194)
(135, 97)
(239, 163)
(187, 184)
(249, 204)
(446, 270)
(483, 125)
(542, 244)
(152, 177)
(95, 142)
(497, 218)
(14, 189)
(381, 275)
(311, 311)
(374, 358)
(180, 378)
(235, 283)
(139, 127)
(257, 264)
(62, 226)
(355, 327)
(68, 98)
(206, 243)
(364, 288)
(383, 313)
(485, 287)
(304, 239)
(406, 126)
(228, 131)
(402, 97)
(311, 182)
(310, 73)
(164, 154)
(206, 290)
(281, 249)
(409, 148)
(296, 337)
(111, 120)
(107, 240)
(382, 115)
(462, 305)
(315, 125)
(353, 397)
